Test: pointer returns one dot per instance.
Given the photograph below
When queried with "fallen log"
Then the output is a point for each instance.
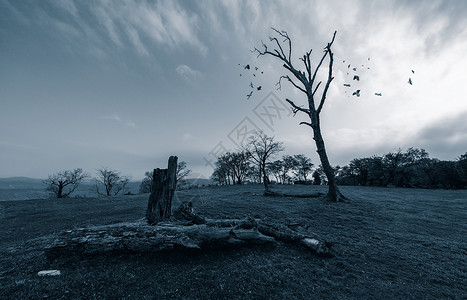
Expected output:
(215, 234)
(276, 194)
(285, 234)
(146, 238)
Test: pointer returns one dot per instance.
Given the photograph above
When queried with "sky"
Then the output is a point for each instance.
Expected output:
(125, 84)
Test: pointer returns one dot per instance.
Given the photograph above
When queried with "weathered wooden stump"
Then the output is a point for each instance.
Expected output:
(162, 192)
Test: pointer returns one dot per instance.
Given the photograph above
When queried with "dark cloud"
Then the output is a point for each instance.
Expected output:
(444, 137)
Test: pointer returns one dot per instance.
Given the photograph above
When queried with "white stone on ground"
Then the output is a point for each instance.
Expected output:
(49, 273)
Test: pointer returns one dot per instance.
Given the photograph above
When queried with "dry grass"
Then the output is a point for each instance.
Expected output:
(389, 243)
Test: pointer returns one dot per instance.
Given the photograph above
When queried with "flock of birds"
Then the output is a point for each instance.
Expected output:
(258, 88)
(354, 76)
(357, 78)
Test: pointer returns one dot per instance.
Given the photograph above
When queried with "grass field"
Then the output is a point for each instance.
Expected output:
(388, 243)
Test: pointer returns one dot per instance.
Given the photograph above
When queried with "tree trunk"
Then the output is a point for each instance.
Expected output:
(334, 194)
(265, 178)
(60, 190)
(163, 189)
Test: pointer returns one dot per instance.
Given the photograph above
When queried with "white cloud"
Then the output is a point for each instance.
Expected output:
(114, 117)
(136, 41)
(188, 73)
(164, 23)
(188, 136)
(131, 124)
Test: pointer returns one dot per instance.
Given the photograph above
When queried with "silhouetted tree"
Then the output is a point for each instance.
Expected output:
(303, 166)
(397, 165)
(112, 181)
(182, 172)
(316, 178)
(260, 148)
(275, 168)
(223, 173)
(449, 175)
(309, 85)
(462, 162)
(239, 165)
(146, 184)
(63, 183)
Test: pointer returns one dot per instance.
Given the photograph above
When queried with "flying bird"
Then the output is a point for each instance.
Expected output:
(346, 84)
(251, 84)
(355, 69)
(348, 67)
(413, 72)
(247, 67)
(256, 68)
(410, 81)
(356, 93)
(249, 95)
(259, 88)
(378, 94)
(356, 77)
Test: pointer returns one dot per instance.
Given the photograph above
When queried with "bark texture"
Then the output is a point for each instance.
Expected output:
(163, 189)
(215, 234)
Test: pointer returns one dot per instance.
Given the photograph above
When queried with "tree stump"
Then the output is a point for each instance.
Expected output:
(162, 192)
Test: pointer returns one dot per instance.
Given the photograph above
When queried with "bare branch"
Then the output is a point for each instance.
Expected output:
(330, 78)
(327, 49)
(297, 108)
(292, 82)
(305, 123)
(316, 88)
(281, 54)
(266, 51)
(285, 35)
(309, 65)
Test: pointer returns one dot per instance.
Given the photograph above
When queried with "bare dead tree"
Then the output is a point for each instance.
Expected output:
(307, 82)
(112, 181)
(182, 172)
(260, 148)
(63, 183)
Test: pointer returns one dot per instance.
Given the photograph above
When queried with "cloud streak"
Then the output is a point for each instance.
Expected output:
(116, 118)
(188, 73)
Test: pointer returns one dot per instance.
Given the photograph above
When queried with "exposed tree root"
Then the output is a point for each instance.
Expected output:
(336, 197)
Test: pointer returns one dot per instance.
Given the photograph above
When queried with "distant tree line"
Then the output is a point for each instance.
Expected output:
(253, 164)
(412, 168)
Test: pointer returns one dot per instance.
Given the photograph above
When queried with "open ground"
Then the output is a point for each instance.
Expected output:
(388, 243)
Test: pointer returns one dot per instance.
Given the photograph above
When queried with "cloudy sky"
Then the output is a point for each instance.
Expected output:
(126, 84)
